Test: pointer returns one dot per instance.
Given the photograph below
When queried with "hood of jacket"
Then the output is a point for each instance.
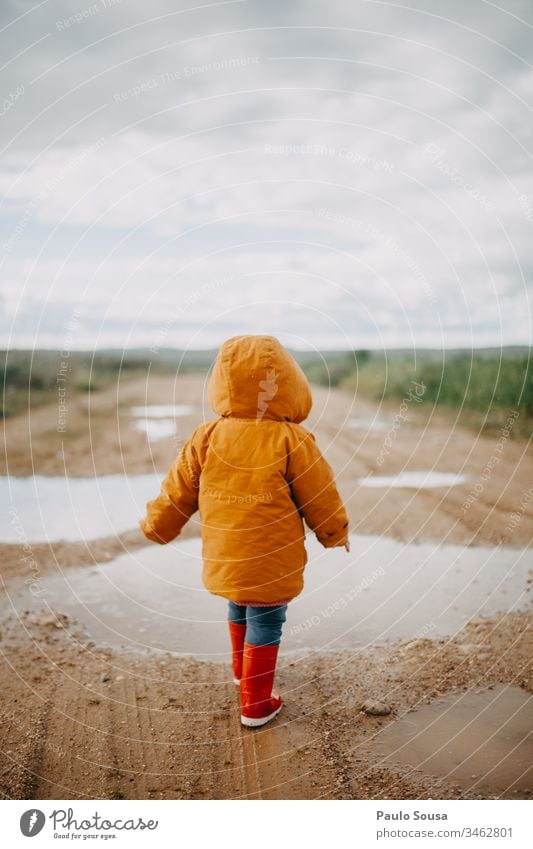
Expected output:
(255, 377)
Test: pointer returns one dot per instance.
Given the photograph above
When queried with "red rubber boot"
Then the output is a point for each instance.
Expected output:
(258, 703)
(237, 633)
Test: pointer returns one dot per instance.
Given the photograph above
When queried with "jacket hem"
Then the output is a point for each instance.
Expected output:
(264, 603)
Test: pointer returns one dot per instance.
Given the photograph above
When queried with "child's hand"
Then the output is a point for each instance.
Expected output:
(347, 546)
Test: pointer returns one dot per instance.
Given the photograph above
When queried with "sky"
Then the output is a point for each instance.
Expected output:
(338, 174)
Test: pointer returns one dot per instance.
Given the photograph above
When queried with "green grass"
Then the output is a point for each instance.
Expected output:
(332, 370)
(483, 388)
(32, 379)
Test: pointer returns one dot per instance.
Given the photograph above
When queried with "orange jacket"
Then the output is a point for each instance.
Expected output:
(254, 474)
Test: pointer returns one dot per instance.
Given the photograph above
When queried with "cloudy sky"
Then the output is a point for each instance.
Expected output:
(340, 174)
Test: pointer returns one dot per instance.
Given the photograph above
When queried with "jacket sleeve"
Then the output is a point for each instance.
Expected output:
(177, 500)
(314, 492)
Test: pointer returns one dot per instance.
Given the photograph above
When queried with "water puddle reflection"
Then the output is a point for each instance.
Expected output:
(46, 509)
(367, 424)
(414, 480)
(155, 429)
(481, 740)
(161, 411)
(157, 421)
(153, 598)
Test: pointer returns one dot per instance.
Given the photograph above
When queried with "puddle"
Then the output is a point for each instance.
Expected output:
(46, 509)
(153, 598)
(162, 411)
(414, 480)
(481, 740)
(158, 421)
(155, 429)
(367, 424)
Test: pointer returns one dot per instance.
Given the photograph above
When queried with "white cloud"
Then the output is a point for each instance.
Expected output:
(223, 171)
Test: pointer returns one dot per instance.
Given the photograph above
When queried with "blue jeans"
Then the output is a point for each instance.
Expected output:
(263, 624)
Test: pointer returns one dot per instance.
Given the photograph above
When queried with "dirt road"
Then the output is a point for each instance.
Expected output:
(82, 721)
(494, 505)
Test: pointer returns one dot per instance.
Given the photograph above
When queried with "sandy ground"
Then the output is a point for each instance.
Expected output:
(82, 721)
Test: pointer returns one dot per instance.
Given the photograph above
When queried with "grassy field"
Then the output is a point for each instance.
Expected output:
(32, 378)
(481, 388)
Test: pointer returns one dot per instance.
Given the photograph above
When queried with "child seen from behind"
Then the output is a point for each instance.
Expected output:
(254, 474)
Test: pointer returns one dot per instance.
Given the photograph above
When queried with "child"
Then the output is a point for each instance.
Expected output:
(254, 474)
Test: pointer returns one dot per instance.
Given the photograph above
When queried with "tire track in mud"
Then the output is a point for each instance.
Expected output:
(252, 755)
(221, 767)
(49, 758)
(203, 745)
(78, 743)
(27, 767)
(283, 759)
(239, 754)
(252, 763)
(129, 742)
(276, 745)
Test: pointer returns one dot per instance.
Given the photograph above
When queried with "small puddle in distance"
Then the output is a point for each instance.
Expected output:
(162, 411)
(155, 429)
(482, 741)
(414, 480)
(367, 424)
(158, 421)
